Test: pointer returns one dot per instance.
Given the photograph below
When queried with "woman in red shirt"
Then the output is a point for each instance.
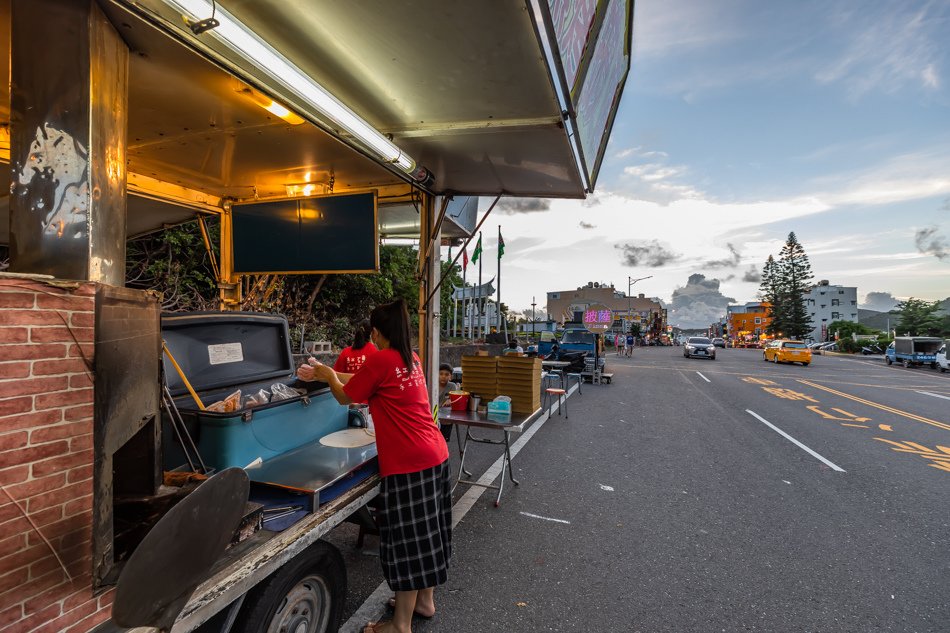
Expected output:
(415, 520)
(352, 358)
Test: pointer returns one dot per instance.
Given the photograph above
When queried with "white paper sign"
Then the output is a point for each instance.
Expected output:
(225, 353)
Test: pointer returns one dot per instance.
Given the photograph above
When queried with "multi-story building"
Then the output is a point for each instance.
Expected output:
(569, 305)
(745, 324)
(828, 303)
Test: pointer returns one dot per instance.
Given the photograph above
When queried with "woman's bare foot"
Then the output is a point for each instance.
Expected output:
(381, 627)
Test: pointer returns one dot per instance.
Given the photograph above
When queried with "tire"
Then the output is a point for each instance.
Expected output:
(805, 364)
(943, 370)
(775, 359)
(933, 365)
(306, 594)
(887, 359)
(764, 357)
(906, 363)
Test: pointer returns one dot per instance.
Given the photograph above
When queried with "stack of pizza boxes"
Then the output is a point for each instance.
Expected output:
(480, 376)
(519, 377)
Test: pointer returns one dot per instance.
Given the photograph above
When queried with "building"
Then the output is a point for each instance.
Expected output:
(746, 323)
(828, 303)
(569, 305)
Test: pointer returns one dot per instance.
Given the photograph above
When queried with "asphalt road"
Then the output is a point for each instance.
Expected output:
(669, 501)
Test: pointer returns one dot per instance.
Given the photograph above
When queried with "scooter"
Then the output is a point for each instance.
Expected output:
(871, 349)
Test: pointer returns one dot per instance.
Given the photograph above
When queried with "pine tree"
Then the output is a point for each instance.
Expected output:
(770, 290)
(794, 273)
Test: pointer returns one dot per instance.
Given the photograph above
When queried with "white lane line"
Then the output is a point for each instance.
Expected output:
(373, 608)
(538, 516)
(606, 488)
(703, 377)
(935, 395)
(791, 439)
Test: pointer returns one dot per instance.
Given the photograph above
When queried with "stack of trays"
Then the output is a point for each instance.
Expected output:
(480, 376)
(520, 379)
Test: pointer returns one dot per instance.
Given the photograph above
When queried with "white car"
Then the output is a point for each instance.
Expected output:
(942, 361)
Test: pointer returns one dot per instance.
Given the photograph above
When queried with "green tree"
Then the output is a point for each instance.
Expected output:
(919, 318)
(845, 329)
(771, 292)
(795, 276)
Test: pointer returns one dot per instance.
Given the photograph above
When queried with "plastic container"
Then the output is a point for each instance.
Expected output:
(459, 400)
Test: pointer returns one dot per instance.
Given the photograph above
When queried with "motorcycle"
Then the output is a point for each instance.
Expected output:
(867, 350)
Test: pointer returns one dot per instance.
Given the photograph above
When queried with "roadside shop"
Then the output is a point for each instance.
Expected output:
(310, 130)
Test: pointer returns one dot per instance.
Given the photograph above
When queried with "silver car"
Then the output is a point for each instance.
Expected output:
(699, 347)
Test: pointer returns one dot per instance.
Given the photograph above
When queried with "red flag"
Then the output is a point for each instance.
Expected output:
(464, 259)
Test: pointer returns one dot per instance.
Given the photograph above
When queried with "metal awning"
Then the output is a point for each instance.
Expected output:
(490, 98)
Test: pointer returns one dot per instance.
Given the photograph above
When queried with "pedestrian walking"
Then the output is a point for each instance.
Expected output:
(621, 341)
(629, 345)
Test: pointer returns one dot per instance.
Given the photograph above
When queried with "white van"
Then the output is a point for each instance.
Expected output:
(942, 361)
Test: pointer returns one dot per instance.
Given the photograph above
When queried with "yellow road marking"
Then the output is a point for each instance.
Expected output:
(758, 381)
(885, 427)
(860, 426)
(849, 417)
(788, 394)
(909, 416)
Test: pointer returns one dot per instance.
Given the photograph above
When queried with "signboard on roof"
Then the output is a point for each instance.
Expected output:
(598, 318)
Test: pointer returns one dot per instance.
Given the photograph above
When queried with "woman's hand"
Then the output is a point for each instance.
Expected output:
(315, 370)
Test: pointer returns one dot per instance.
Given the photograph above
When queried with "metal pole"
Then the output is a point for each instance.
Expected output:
(482, 329)
(498, 299)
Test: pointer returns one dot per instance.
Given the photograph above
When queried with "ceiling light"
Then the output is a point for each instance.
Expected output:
(242, 40)
(276, 109)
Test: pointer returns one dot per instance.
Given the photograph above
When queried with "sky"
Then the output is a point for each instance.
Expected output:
(741, 121)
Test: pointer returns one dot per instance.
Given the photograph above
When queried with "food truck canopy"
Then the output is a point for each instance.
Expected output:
(504, 98)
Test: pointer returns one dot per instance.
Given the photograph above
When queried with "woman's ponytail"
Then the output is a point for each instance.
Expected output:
(392, 321)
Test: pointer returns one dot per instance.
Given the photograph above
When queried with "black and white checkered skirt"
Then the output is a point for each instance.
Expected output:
(415, 528)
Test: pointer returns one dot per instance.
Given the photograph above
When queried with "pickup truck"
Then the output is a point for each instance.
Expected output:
(913, 350)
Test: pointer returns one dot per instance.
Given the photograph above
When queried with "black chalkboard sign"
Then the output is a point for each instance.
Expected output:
(322, 234)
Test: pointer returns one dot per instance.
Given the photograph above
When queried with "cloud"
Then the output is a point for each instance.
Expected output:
(729, 262)
(880, 301)
(752, 275)
(659, 182)
(930, 241)
(646, 253)
(698, 303)
(510, 206)
(886, 50)
(586, 225)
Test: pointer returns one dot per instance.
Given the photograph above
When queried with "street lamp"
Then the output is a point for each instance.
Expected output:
(630, 282)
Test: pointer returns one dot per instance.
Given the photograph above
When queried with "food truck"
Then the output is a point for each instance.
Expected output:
(310, 130)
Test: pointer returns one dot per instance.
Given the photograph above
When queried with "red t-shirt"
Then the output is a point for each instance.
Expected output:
(406, 437)
(350, 360)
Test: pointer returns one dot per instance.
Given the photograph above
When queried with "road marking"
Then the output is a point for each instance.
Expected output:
(788, 394)
(791, 439)
(935, 395)
(910, 416)
(850, 416)
(758, 381)
(885, 427)
(703, 377)
(607, 488)
(538, 516)
(372, 608)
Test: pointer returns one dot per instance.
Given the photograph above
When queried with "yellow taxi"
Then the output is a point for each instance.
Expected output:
(784, 351)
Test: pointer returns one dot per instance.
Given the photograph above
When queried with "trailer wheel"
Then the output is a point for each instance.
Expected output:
(306, 595)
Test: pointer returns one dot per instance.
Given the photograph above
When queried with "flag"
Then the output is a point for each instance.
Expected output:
(501, 245)
(464, 259)
(478, 250)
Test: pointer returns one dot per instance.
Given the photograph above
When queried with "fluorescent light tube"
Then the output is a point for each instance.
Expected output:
(252, 48)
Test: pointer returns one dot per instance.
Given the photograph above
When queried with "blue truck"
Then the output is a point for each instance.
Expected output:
(913, 350)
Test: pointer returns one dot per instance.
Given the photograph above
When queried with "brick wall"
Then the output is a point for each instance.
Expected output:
(46, 455)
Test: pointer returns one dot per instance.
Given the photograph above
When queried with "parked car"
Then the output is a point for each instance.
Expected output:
(784, 351)
(699, 347)
(719, 342)
(942, 362)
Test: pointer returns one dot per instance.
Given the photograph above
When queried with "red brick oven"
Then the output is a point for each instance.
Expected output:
(46, 457)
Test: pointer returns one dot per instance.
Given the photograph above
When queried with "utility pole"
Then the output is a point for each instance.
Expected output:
(532, 317)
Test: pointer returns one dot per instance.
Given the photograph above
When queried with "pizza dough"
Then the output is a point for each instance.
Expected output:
(348, 438)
